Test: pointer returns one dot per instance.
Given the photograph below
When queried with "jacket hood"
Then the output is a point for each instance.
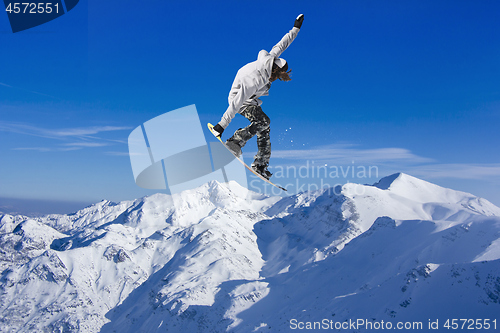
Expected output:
(265, 63)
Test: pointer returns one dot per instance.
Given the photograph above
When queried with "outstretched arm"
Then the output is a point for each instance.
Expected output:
(283, 44)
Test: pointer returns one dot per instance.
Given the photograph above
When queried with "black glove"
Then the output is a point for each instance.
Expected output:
(298, 21)
(218, 129)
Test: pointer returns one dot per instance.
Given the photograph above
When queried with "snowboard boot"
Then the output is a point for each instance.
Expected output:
(262, 170)
(234, 147)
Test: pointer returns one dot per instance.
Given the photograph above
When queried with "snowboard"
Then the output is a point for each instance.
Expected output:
(210, 127)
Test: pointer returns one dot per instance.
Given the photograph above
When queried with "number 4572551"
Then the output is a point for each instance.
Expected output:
(470, 324)
(32, 8)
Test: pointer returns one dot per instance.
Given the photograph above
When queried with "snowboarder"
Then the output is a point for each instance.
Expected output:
(251, 82)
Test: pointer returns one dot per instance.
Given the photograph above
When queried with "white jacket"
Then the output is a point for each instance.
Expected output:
(252, 80)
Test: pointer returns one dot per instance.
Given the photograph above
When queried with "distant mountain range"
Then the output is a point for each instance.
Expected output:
(402, 253)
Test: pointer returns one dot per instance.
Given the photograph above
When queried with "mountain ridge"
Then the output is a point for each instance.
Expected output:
(220, 257)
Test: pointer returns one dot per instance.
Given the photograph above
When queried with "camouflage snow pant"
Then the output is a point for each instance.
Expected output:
(259, 126)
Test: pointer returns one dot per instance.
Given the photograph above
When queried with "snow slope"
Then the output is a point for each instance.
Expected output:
(220, 258)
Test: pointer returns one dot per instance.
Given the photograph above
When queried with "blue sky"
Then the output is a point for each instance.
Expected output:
(405, 86)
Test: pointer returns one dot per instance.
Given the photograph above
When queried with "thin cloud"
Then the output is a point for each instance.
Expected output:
(65, 147)
(347, 153)
(458, 171)
(80, 137)
(86, 144)
(393, 159)
(123, 153)
(81, 132)
(46, 149)
(27, 90)
(85, 131)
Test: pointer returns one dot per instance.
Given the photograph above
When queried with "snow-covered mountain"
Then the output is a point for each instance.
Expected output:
(220, 258)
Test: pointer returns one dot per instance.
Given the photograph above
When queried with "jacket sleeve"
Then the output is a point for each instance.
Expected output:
(283, 44)
(239, 94)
